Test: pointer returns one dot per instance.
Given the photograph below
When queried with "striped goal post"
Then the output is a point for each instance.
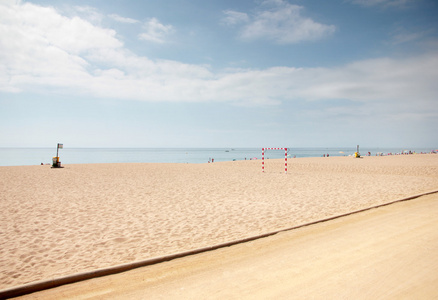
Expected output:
(285, 158)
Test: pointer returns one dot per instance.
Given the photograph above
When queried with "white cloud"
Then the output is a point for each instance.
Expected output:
(378, 80)
(120, 19)
(46, 52)
(43, 50)
(278, 21)
(89, 13)
(41, 47)
(235, 17)
(155, 31)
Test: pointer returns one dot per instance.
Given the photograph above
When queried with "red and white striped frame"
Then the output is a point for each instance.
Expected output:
(285, 158)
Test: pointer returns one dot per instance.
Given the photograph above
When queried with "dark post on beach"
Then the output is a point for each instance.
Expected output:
(56, 163)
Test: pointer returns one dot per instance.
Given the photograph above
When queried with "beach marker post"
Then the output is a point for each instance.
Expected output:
(357, 154)
(285, 158)
(56, 163)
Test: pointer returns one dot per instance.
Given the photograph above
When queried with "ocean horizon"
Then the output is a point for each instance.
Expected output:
(38, 156)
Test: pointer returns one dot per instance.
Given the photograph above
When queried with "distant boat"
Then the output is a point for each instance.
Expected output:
(227, 150)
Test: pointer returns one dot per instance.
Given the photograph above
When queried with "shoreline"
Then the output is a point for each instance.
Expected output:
(38, 156)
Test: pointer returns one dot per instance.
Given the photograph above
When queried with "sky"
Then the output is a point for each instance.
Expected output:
(219, 73)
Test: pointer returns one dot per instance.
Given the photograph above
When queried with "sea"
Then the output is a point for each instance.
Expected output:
(38, 156)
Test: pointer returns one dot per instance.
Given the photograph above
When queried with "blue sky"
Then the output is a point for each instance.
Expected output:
(196, 73)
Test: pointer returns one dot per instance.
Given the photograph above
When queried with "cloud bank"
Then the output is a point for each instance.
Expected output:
(47, 52)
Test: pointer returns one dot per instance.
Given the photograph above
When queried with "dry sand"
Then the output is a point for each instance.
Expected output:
(56, 222)
(383, 253)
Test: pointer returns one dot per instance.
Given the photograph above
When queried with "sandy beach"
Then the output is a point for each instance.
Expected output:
(387, 252)
(58, 222)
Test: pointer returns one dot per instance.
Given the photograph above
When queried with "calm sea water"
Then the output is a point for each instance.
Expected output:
(36, 156)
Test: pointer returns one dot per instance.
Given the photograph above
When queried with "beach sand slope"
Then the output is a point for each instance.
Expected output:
(384, 253)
